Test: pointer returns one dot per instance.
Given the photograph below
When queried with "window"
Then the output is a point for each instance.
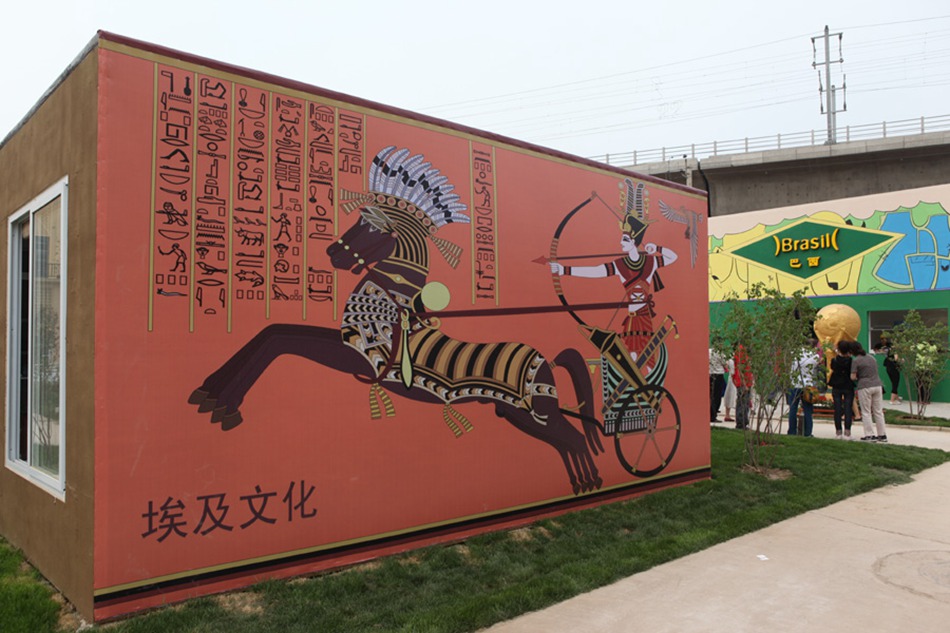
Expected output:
(36, 345)
(884, 320)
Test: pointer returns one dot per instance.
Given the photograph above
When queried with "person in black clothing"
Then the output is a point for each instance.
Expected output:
(891, 366)
(842, 388)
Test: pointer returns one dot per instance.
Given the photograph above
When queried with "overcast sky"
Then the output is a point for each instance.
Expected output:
(590, 78)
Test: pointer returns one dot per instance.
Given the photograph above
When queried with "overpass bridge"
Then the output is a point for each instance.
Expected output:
(750, 179)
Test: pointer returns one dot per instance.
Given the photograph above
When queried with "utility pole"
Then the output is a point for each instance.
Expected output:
(829, 108)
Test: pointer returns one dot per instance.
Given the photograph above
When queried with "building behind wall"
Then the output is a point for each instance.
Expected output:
(902, 175)
(881, 254)
(205, 387)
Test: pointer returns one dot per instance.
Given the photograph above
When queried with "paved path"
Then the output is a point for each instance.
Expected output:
(876, 562)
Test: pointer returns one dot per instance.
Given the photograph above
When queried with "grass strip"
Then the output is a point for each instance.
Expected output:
(26, 603)
(903, 418)
(494, 577)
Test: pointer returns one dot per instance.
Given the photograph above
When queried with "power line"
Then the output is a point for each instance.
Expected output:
(693, 71)
(615, 75)
(704, 87)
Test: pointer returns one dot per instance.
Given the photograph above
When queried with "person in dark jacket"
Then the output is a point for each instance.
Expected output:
(891, 366)
(842, 388)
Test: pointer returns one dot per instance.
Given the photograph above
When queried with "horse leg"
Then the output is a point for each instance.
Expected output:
(206, 395)
(563, 437)
(571, 360)
(523, 421)
(571, 440)
(223, 391)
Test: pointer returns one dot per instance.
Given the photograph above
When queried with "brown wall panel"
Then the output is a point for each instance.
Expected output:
(59, 139)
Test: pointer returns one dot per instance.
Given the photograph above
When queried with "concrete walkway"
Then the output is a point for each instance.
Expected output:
(876, 562)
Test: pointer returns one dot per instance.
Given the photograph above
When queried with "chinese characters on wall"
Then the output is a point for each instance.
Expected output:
(221, 512)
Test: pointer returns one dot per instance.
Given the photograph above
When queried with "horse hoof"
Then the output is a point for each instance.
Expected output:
(207, 405)
(231, 420)
(198, 396)
(219, 413)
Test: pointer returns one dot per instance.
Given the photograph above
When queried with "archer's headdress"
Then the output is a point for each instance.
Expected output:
(634, 199)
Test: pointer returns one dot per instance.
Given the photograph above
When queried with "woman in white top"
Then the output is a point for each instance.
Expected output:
(804, 370)
(729, 399)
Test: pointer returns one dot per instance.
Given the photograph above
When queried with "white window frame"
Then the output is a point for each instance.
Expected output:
(55, 485)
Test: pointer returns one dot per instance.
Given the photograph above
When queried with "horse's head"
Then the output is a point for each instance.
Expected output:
(370, 239)
(407, 202)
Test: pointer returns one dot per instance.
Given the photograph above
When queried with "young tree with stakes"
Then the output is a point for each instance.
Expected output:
(772, 328)
(923, 354)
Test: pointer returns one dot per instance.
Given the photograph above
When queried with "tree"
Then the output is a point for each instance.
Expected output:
(772, 329)
(923, 354)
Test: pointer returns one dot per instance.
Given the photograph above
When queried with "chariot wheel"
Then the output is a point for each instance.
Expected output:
(648, 431)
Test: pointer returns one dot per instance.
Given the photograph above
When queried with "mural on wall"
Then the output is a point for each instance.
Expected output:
(356, 328)
(845, 251)
(391, 336)
(633, 357)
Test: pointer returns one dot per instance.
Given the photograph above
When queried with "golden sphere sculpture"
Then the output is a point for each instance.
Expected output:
(836, 322)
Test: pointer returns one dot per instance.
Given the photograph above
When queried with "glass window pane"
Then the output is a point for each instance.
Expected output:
(20, 344)
(35, 418)
(884, 320)
(45, 338)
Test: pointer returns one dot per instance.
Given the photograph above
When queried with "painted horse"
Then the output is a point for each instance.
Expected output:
(390, 339)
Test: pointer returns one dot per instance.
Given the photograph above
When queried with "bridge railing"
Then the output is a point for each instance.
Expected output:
(885, 129)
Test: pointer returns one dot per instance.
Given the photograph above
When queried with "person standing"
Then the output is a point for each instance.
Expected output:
(729, 398)
(717, 383)
(842, 388)
(743, 379)
(870, 392)
(891, 366)
(803, 372)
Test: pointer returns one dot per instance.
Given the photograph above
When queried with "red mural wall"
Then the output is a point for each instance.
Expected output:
(325, 332)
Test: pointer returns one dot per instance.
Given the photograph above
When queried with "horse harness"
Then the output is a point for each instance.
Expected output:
(381, 323)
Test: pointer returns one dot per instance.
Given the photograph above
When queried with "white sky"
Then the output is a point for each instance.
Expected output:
(589, 78)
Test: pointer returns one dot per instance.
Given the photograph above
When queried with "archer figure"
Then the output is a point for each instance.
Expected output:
(637, 271)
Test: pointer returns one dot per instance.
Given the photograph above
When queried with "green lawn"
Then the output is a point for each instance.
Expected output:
(495, 577)
(901, 417)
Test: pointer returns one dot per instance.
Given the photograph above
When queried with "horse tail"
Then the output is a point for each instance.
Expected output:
(572, 361)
